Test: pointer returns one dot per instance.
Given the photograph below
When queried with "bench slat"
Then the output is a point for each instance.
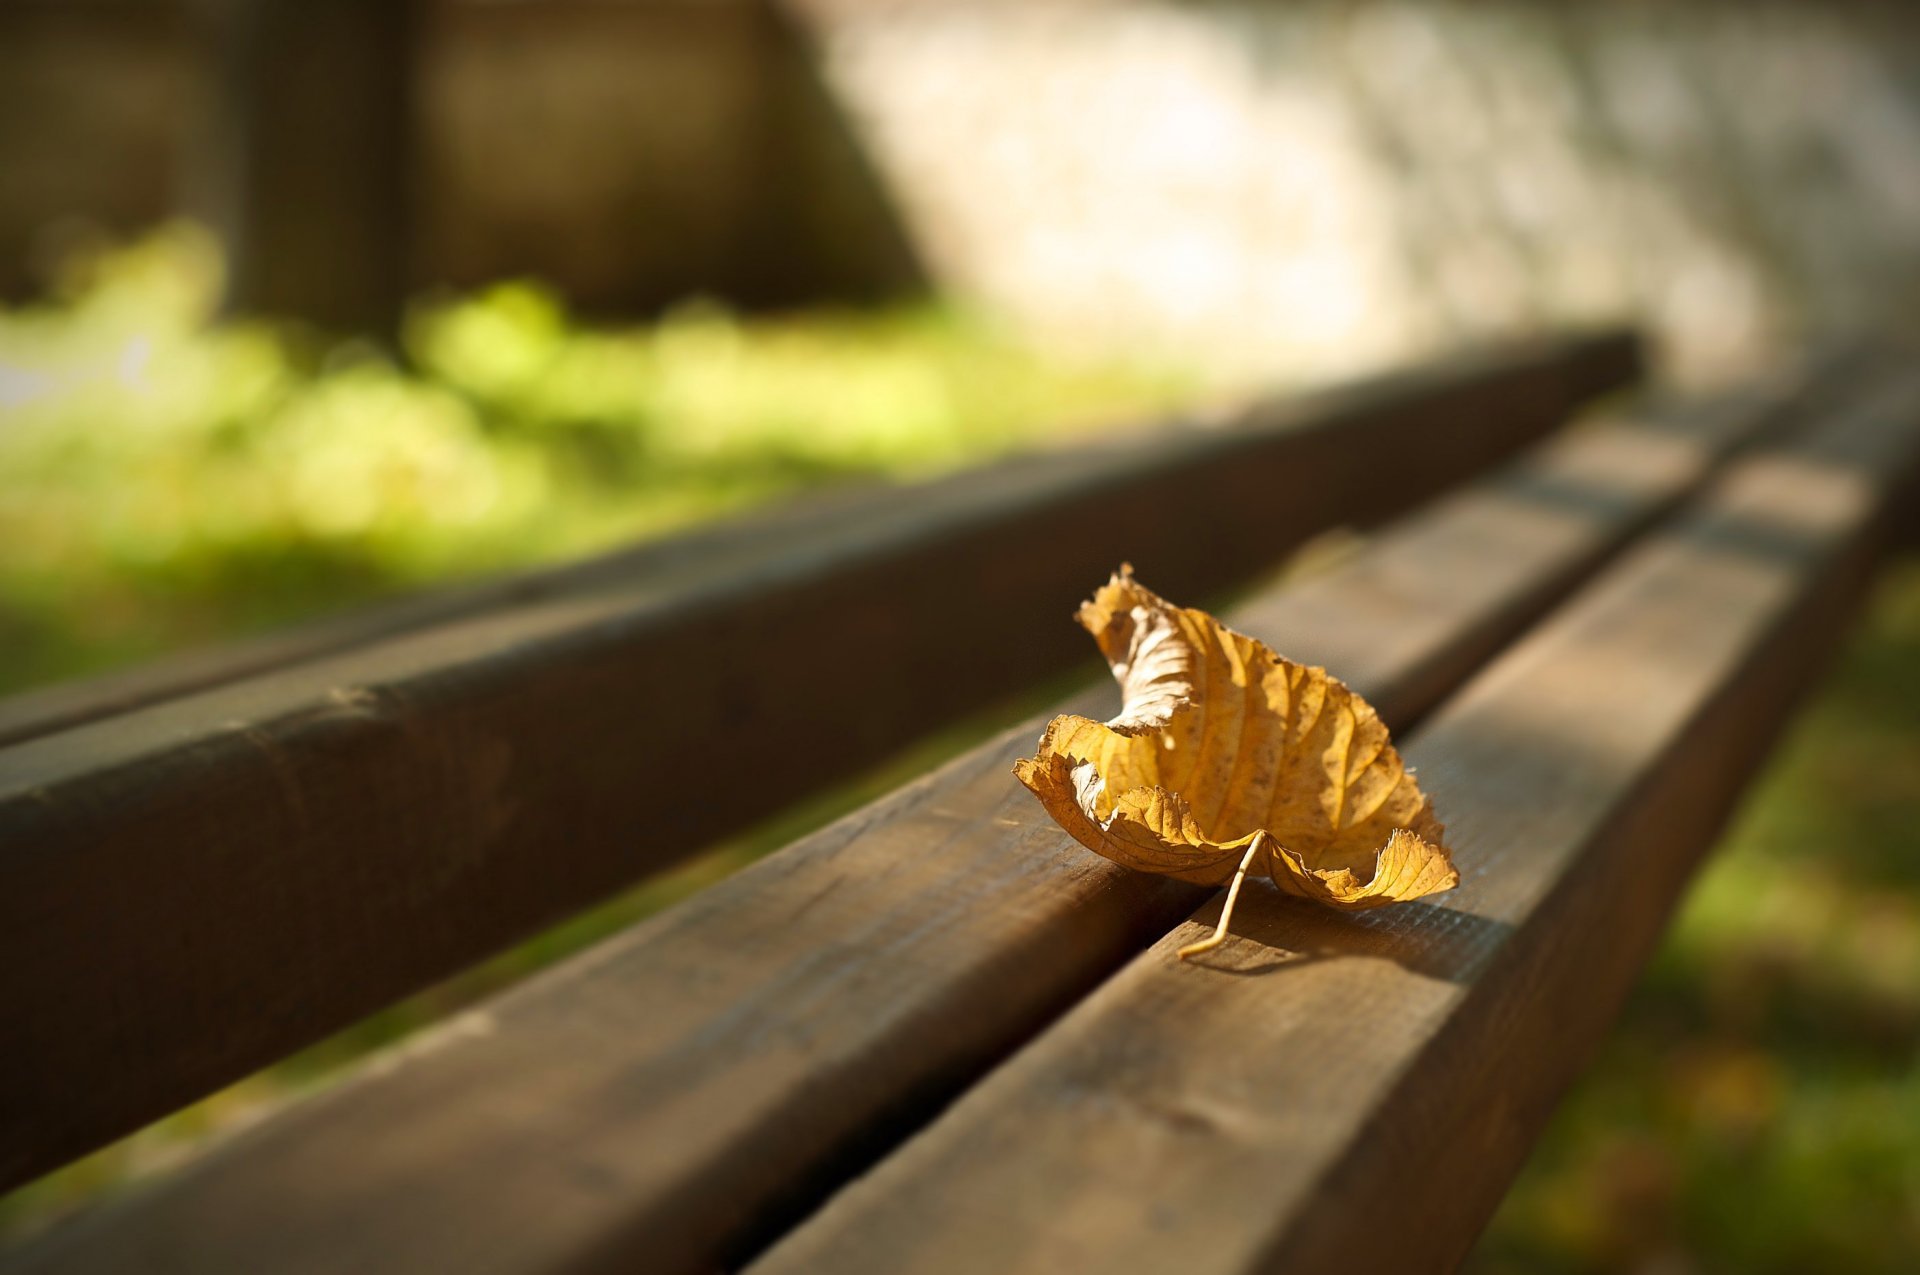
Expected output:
(1340, 1093)
(1542, 383)
(684, 1089)
(194, 889)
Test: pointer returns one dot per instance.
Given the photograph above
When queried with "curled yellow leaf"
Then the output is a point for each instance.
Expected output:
(1227, 758)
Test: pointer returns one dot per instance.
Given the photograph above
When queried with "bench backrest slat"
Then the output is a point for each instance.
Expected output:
(1540, 382)
(683, 1090)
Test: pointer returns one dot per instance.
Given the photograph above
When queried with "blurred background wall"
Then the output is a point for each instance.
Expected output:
(627, 152)
(1275, 187)
(1328, 181)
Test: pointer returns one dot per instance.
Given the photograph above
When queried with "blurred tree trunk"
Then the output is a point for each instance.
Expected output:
(304, 161)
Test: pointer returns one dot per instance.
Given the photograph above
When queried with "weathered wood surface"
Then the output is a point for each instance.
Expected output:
(1353, 1093)
(686, 1089)
(1485, 405)
(194, 889)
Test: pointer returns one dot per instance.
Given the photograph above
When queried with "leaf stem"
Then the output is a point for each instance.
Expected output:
(1219, 935)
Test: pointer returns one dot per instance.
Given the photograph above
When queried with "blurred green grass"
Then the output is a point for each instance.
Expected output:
(167, 480)
(1757, 1109)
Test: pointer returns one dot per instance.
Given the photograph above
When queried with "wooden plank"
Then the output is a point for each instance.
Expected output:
(1521, 392)
(689, 1087)
(1341, 1093)
(209, 883)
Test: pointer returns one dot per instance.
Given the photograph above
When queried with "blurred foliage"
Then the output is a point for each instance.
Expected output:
(1758, 1107)
(166, 479)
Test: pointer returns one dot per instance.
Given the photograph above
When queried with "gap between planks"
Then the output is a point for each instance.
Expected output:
(1336, 1093)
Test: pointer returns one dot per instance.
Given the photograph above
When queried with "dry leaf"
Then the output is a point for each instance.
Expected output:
(1227, 758)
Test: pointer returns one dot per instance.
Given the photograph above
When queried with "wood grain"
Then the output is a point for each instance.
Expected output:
(196, 888)
(688, 1088)
(1353, 1093)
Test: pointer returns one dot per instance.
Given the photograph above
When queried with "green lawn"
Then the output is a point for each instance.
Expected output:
(1758, 1107)
(166, 481)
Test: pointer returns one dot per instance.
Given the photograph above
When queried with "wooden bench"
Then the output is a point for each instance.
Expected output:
(936, 1034)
